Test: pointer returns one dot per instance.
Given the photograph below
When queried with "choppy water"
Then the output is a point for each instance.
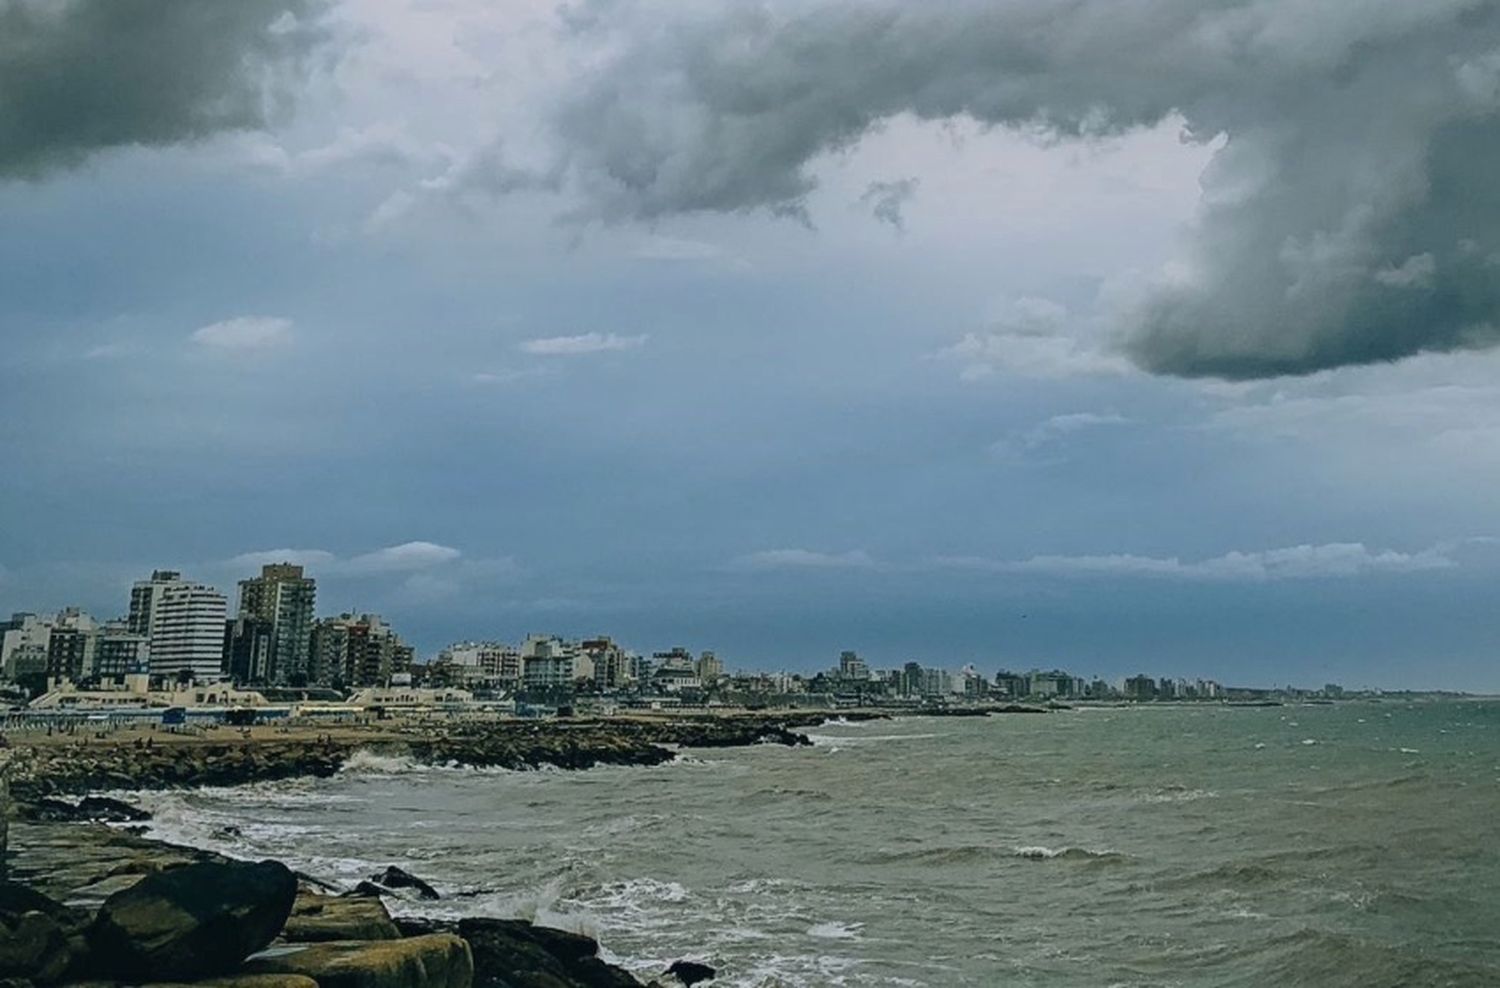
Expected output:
(1356, 845)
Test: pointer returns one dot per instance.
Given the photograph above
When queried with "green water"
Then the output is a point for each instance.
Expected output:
(1350, 845)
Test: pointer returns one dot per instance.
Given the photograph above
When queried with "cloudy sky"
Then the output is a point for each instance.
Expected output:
(1150, 336)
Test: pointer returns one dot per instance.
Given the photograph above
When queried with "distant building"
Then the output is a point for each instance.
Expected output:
(1140, 687)
(612, 664)
(285, 599)
(145, 596)
(248, 648)
(70, 647)
(186, 630)
(24, 647)
(491, 664)
(852, 668)
(710, 668)
(352, 651)
(119, 652)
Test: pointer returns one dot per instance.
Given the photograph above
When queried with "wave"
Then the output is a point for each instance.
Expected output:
(972, 853)
(839, 740)
(1312, 958)
(364, 761)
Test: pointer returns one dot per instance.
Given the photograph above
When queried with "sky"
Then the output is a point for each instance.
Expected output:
(1119, 337)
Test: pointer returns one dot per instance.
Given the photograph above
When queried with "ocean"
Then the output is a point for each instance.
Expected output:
(1347, 845)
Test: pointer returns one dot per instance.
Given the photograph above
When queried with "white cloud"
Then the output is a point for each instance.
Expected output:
(1032, 337)
(403, 558)
(657, 248)
(1053, 430)
(768, 559)
(245, 333)
(569, 346)
(267, 557)
(1417, 271)
(1328, 560)
(506, 375)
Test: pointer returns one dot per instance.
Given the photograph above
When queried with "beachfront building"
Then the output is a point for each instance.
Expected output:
(24, 647)
(186, 631)
(612, 665)
(119, 652)
(852, 669)
(70, 646)
(283, 598)
(494, 665)
(710, 668)
(349, 651)
(248, 643)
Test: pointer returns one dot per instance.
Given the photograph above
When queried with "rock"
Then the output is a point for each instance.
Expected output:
(38, 947)
(691, 972)
(191, 922)
(440, 960)
(366, 890)
(39, 937)
(396, 878)
(318, 918)
(512, 953)
(99, 809)
(240, 981)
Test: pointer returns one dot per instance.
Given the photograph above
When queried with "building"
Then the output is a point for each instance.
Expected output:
(612, 665)
(1140, 687)
(70, 647)
(852, 668)
(710, 668)
(489, 664)
(119, 652)
(144, 597)
(24, 647)
(349, 651)
(248, 649)
(285, 599)
(186, 631)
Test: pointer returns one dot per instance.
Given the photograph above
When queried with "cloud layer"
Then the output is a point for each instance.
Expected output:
(1322, 239)
(80, 76)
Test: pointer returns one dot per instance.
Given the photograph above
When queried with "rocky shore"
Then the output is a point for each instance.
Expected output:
(90, 905)
(224, 756)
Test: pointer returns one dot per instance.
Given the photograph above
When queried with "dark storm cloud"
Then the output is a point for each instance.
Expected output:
(1350, 216)
(80, 76)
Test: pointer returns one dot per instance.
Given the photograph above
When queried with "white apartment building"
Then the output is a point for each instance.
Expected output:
(186, 630)
(23, 647)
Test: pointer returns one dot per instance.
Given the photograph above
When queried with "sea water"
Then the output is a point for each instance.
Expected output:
(1348, 845)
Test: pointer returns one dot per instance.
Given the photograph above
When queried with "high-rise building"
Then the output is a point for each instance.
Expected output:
(144, 597)
(357, 651)
(187, 631)
(248, 643)
(611, 663)
(285, 599)
(70, 647)
(710, 668)
(852, 667)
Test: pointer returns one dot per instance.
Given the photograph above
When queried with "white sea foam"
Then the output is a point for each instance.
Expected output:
(835, 931)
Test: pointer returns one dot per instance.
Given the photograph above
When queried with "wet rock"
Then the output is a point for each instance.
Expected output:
(240, 981)
(511, 953)
(440, 960)
(99, 809)
(691, 972)
(38, 947)
(317, 918)
(195, 921)
(39, 937)
(396, 878)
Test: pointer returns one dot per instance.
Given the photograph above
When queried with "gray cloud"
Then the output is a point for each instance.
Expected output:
(1348, 215)
(81, 76)
(887, 199)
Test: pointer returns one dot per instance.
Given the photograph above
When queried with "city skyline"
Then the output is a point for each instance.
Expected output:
(655, 320)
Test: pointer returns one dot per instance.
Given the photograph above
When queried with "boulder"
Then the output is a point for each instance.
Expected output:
(691, 972)
(39, 937)
(242, 981)
(512, 953)
(396, 878)
(326, 917)
(440, 960)
(192, 922)
(100, 809)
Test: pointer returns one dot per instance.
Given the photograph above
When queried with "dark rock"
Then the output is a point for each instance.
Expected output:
(39, 937)
(100, 809)
(691, 972)
(512, 953)
(366, 890)
(396, 878)
(191, 922)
